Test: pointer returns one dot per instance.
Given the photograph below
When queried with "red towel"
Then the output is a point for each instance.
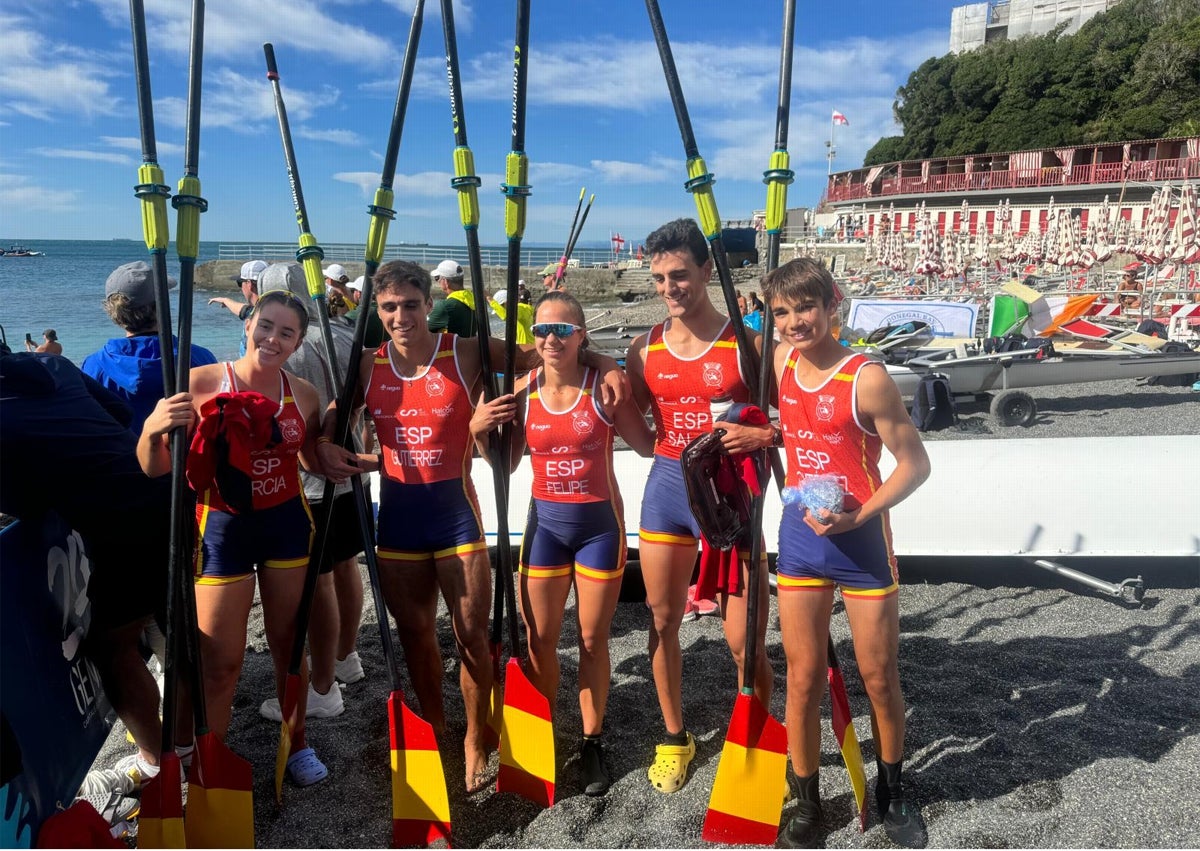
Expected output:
(232, 425)
(719, 570)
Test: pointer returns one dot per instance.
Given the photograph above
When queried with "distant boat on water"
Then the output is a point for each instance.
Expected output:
(20, 251)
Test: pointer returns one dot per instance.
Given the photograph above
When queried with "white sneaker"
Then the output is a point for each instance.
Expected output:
(319, 705)
(103, 782)
(135, 771)
(350, 669)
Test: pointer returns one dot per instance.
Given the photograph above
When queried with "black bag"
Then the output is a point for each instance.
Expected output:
(1174, 347)
(933, 407)
(719, 499)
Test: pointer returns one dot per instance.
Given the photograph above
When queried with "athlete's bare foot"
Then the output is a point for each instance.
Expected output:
(478, 775)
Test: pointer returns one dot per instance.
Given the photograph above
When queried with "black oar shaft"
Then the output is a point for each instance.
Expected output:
(672, 77)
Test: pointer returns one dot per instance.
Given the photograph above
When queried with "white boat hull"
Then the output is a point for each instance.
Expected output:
(1040, 498)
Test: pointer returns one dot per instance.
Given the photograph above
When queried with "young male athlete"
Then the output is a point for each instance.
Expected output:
(676, 370)
(837, 410)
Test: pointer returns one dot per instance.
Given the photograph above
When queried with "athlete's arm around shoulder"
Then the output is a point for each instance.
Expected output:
(882, 410)
(635, 368)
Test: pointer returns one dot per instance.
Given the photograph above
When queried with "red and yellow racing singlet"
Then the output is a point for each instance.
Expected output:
(571, 450)
(682, 388)
(822, 434)
(423, 422)
(274, 472)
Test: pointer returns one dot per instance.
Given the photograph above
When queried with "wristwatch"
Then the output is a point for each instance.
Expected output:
(776, 436)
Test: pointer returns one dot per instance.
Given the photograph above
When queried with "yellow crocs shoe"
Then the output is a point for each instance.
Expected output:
(670, 768)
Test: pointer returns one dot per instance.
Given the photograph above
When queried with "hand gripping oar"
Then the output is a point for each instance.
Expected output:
(526, 731)
(161, 821)
(467, 183)
(751, 782)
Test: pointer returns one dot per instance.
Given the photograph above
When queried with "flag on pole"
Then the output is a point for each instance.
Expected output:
(838, 118)
(618, 242)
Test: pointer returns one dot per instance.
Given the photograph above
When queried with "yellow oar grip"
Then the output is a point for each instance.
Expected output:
(187, 225)
(467, 185)
(310, 255)
(700, 185)
(154, 194)
(777, 178)
(516, 188)
(381, 215)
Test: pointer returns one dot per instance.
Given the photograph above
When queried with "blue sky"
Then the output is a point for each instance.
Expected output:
(599, 113)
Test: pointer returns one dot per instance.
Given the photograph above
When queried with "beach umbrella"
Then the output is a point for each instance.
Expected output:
(950, 264)
(1099, 249)
(929, 259)
(898, 262)
(983, 243)
(1123, 239)
(746, 800)
(526, 724)
(1008, 243)
(1068, 239)
(1153, 246)
(1185, 239)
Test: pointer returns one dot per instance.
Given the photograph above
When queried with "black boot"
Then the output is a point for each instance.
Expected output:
(595, 776)
(901, 818)
(803, 829)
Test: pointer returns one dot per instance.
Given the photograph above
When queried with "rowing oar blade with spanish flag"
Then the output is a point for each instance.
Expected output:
(420, 803)
(530, 720)
(160, 822)
(751, 783)
(526, 731)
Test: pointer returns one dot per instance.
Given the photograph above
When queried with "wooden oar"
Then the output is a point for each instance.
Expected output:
(160, 823)
(751, 783)
(527, 730)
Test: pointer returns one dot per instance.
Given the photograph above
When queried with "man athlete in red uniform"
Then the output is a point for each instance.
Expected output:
(676, 370)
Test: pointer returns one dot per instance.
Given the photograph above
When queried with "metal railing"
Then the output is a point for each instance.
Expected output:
(426, 255)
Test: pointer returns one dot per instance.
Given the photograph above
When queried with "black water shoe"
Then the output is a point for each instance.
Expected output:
(595, 776)
(901, 818)
(803, 829)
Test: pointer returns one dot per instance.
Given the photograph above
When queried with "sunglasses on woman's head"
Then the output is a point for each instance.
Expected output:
(561, 330)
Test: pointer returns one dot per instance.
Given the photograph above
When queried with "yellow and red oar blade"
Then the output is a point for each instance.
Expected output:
(843, 729)
(160, 823)
(220, 809)
(491, 736)
(289, 708)
(526, 740)
(420, 804)
(751, 783)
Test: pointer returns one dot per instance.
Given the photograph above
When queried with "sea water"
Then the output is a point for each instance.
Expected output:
(64, 290)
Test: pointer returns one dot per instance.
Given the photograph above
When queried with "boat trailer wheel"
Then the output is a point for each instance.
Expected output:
(1013, 408)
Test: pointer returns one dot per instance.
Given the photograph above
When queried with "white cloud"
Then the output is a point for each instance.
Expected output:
(336, 137)
(425, 184)
(367, 181)
(657, 170)
(132, 143)
(18, 193)
(464, 15)
(41, 79)
(244, 104)
(95, 156)
(550, 172)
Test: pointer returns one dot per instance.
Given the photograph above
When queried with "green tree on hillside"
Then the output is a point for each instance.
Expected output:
(1130, 73)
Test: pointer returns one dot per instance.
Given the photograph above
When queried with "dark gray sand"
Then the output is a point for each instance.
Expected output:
(1038, 717)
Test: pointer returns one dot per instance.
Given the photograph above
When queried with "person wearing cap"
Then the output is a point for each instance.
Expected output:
(337, 606)
(247, 279)
(49, 344)
(499, 305)
(456, 312)
(131, 366)
(550, 277)
(354, 290)
(336, 292)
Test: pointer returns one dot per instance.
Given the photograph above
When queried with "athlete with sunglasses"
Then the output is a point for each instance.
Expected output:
(575, 534)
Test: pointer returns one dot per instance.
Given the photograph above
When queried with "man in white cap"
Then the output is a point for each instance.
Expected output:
(354, 290)
(456, 312)
(336, 281)
(247, 279)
